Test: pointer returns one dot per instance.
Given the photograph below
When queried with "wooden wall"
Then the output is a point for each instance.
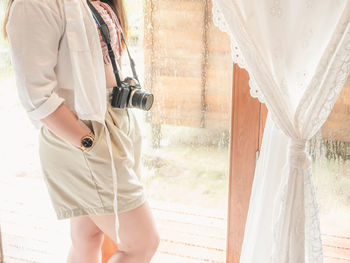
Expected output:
(189, 65)
(337, 125)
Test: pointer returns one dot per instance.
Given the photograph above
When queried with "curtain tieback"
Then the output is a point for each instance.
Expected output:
(298, 157)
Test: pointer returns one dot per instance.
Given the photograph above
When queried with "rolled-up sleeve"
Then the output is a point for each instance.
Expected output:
(34, 31)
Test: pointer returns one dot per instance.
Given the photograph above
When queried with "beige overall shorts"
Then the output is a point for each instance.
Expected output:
(80, 182)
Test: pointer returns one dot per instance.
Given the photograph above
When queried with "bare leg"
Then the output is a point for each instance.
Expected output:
(137, 231)
(87, 240)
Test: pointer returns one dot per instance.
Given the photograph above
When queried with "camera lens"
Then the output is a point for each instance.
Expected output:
(147, 101)
(142, 99)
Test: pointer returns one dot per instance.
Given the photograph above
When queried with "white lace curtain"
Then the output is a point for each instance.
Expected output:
(297, 53)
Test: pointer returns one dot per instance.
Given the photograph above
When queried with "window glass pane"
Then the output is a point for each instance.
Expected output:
(185, 61)
(330, 151)
(188, 67)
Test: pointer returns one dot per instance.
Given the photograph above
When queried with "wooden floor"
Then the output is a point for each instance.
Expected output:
(336, 249)
(31, 233)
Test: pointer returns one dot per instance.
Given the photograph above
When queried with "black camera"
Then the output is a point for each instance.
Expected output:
(130, 95)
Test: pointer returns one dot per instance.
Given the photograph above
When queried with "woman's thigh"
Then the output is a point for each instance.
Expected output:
(84, 232)
(137, 228)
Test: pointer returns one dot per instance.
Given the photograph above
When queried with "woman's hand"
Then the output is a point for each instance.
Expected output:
(65, 124)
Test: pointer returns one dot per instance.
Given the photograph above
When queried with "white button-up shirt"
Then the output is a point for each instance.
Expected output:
(57, 57)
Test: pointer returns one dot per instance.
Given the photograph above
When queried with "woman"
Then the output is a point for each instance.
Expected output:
(89, 151)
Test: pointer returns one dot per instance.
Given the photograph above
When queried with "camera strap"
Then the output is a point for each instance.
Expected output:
(106, 37)
(132, 62)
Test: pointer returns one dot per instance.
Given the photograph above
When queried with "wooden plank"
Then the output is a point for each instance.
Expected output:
(263, 116)
(336, 253)
(218, 41)
(334, 260)
(109, 247)
(336, 241)
(337, 125)
(180, 5)
(336, 248)
(245, 126)
(180, 40)
(219, 79)
(179, 67)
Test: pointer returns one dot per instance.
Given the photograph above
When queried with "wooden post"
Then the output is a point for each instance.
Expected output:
(109, 247)
(247, 123)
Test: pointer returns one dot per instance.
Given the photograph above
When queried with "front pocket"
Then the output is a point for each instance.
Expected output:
(95, 128)
(75, 26)
(50, 138)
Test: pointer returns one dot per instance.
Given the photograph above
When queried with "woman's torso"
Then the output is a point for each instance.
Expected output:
(110, 78)
(109, 74)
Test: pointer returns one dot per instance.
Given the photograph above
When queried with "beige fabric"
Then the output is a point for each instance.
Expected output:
(56, 56)
(80, 182)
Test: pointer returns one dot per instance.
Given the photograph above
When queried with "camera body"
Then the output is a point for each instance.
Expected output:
(130, 95)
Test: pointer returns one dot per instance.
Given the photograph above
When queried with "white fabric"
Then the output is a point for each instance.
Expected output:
(297, 53)
(57, 58)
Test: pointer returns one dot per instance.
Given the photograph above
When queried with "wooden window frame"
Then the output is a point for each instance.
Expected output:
(248, 117)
